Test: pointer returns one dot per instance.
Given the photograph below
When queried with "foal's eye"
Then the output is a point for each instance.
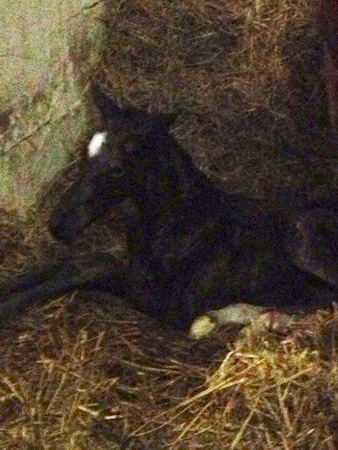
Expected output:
(117, 172)
(129, 147)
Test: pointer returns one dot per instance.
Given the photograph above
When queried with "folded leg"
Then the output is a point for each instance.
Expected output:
(239, 314)
(101, 272)
(35, 275)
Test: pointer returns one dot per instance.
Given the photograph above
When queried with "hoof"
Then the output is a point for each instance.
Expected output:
(202, 327)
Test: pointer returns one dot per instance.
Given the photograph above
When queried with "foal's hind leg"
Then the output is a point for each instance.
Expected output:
(101, 272)
(239, 314)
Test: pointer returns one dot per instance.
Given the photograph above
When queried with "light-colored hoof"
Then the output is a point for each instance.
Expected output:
(203, 326)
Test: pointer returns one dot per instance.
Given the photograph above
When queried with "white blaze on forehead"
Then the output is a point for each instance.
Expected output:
(96, 143)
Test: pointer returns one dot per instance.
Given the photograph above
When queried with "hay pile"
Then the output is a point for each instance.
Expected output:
(80, 373)
(246, 76)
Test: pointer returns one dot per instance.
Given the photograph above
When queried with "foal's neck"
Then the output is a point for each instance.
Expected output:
(170, 178)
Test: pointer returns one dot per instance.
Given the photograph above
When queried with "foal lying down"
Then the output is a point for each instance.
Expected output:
(197, 256)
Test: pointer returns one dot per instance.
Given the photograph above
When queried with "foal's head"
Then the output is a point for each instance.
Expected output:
(110, 172)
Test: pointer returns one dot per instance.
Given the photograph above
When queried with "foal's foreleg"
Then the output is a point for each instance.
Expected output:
(36, 275)
(100, 272)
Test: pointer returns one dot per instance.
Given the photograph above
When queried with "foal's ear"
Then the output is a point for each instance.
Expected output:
(143, 123)
(110, 111)
(169, 118)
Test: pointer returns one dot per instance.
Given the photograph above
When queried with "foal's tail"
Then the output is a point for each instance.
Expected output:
(101, 272)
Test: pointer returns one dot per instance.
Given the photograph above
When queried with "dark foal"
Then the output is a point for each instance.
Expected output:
(193, 250)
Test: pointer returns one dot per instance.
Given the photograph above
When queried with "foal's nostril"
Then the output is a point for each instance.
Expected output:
(53, 225)
(64, 232)
(60, 230)
(61, 226)
(65, 225)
